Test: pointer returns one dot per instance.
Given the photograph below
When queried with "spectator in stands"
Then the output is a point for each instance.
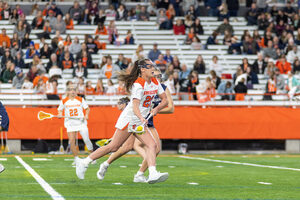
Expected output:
(196, 44)
(9, 73)
(51, 89)
(79, 70)
(190, 36)
(109, 69)
(214, 78)
(250, 46)
(14, 50)
(171, 13)
(270, 68)
(283, 66)
(5, 11)
(19, 61)
(45, 10)
(226, 89)
(52, 19)
(100, 17)
(20, 30)
(101, 29)
(193, 82)
(235, 46)
(240, 90)
(212, 7)
(176, 63)
(179, 28)
(38, 62)
(27, 84)
(3, 48)
(91, 45)
(86, 59)
(139, 53)
(227, 38)
(31, 51)
(269, 50)
(120, 61)
(168, 57)
(152, 9)
(225, 26)
(26, 25)
(46, 31)
(89, 88)
(122, 13)
(15, 40)
(162, 21)
(33, 72)
(270, 87)
(38, 21)
(223, 12)
(13, 18)
(75, 11)
(67, 62)
(292, 55)
(251, 78)
(154, 53)
(143, 15)
(100, 45)
(199, 65)
(69, 22)
(129, 38)
(40, 87)
(161, 63)
(5, 58)
(75, 47)
(99, 89)
(280, 80)
(52, 61)
(112, 32)
(212, 39)
(55, 72)
(45, 52)
(233, 7)
(292, 85)
(252, 15)
(4, 38)
(188, 21)
(198, 27)
(85, 18)
(296, 65)
(259, 65)
(60, 25)
(245, 64)
(57, 11)
(26, 41)
(42, 76)
(262, 21)
(184, 81)
(169, 71)
(93, 8)
(289, 10)
(214, 65)
(110, 89)
(132, 15)
(170, 83)
(184, 73)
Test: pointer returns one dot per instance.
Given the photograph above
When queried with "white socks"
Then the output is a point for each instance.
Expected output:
(139, 173)
(87, 160)
(105, 164)
(152, 169)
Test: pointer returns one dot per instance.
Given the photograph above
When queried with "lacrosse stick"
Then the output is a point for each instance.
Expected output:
(140, 129)
(61, 147)
(43, 115)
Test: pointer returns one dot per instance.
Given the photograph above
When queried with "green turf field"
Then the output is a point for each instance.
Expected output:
(189, 179)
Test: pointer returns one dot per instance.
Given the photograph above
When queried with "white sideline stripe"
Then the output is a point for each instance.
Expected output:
(3, 159)
(54, 195)
(41, 159)
(240, 163)
(264, 183)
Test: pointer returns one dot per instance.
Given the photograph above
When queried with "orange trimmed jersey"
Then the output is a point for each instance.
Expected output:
(101, 32)
(73, 108)
(89, 90)
(37, 78)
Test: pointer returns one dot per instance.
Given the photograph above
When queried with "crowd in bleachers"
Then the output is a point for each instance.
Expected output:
(276, 49)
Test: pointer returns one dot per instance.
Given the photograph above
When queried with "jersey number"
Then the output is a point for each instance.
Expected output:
(73, 112)
(147, 102)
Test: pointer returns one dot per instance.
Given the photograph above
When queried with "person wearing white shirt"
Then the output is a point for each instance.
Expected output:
(293, 54)
(214, 65)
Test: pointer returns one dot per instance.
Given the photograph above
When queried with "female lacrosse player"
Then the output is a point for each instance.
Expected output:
(75, 120)
(4, 125)
(133, 143)
(144, 88)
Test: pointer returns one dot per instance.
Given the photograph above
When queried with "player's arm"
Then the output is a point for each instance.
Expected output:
(60, 109)
(170, 107)
(163, 103)
(87, 112)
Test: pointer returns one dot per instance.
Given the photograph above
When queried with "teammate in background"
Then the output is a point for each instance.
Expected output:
(133, 143)
(4, 125)
(144, 87)
(73, 106)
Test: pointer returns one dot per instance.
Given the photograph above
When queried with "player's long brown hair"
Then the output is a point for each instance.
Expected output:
(129, 78)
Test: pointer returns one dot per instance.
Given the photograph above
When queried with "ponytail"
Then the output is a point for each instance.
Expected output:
(130, 78)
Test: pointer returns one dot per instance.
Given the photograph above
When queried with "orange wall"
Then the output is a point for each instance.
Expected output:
(185, 123)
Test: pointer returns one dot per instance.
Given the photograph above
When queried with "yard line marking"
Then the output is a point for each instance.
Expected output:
(264, 183)
(3, 159)
(123, 166)
(117, 183)
(219, 166)
(41, 159)
(193, 183)
(240, 163)
(171, 166)
(54, 195)
(68, 159)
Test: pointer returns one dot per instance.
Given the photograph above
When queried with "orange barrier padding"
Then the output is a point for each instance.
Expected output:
(184, 123)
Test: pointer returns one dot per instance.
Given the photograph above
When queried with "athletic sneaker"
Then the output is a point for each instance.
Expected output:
(101, 172)
(80, 168)
(157, 177)
(139, 178)
(2, 168)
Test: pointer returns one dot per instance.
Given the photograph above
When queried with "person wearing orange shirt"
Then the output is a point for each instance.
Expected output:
(4, 38)
(101, 29)
(161, 63)
(109, 70)
(283, 66)
(69, 22)
(41, 76)
(67, 62)
(89, 90)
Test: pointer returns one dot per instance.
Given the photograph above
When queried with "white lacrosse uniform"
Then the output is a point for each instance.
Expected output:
(145, 92)
(74, 108)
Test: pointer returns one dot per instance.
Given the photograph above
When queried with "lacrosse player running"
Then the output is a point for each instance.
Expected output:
(4, 125)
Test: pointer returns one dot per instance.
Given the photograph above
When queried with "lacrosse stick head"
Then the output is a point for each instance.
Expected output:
(139, 130)
(43, 115)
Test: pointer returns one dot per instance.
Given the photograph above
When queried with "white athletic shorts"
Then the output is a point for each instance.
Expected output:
(72, 127)
(127, 120)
